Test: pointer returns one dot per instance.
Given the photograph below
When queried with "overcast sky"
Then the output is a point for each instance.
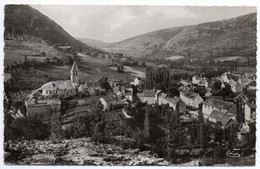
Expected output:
(115, 23)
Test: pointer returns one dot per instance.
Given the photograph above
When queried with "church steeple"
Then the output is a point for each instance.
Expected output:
(74, 74)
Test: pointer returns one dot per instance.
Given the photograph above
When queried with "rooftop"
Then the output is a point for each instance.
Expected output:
(60, 85)
(225, 120)
(218, 103)
(74, 67)
(216, 115)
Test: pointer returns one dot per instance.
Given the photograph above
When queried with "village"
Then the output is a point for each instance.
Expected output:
(47, 99)
(223, 101)
(181, 96)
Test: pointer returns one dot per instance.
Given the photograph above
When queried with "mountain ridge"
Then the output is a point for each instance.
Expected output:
(93, 42)
(216, 38)
(25, 20)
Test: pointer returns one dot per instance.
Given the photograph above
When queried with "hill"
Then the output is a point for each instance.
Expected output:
(230, 37)
(23, 20)
(93, 43)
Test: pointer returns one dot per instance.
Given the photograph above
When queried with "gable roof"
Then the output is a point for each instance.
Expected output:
(163, 95)
(225, 120)
(58, 85)
(158, 92)
(218, 103)
(216, 115)
(251, 105)
(173, 100)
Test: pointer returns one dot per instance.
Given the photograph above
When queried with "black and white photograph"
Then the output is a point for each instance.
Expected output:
(129, 85)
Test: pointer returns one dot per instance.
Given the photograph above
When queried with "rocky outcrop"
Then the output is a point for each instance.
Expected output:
(76, 152)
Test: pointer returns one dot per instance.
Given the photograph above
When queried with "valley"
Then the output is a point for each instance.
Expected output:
(181, 96)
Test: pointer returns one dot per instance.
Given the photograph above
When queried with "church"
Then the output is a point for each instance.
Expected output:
(61, 88)
(46, 100)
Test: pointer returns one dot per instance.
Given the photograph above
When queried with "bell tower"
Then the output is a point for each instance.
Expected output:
(74, 74)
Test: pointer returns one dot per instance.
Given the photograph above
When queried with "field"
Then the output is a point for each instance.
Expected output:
(91, 68)
(95, 68)
(173, 58)
(16, 50)
(231, 58)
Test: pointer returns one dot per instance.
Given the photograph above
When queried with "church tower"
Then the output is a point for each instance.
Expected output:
(74, 74)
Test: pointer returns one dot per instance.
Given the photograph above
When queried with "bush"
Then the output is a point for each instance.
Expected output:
(27, 128)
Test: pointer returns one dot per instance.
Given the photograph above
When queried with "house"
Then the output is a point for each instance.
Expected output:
(244, 81)
(121, 89)
(109, 103)
(221, 118)
(61, 88)
(147, 96)
(219, 105)
(83, 88)
(173, 102)
(200, 81)
(226, 77)
(137, 82)
(235, 86)
(251, 86)
(196, 79)
(106, 102)
(42, 109)
(185, 82)
(189, 97)
(161, 98)
(250, 112)
(208, 94)
(129, 96)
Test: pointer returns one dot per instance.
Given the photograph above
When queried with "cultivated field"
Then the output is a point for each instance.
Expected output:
(15, 51)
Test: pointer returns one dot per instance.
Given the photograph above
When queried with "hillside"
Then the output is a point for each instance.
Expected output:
(93, 43)
(23, 20)
(231, 37)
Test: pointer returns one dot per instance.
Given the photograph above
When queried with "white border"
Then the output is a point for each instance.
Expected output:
(255, 3)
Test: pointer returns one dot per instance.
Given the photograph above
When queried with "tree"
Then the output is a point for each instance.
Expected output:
(146, 123)
(57, 133)
(104, 83)
(120, 68)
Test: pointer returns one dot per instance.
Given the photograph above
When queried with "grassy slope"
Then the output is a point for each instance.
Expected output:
(230, 37)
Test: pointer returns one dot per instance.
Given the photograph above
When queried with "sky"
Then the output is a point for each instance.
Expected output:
(116, 23)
